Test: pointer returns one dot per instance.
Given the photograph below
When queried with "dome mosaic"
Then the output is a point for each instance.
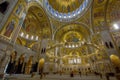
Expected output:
(66, 10)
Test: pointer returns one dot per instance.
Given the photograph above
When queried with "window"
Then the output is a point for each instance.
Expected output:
(3, 7)
(106, 44)
(111, 45)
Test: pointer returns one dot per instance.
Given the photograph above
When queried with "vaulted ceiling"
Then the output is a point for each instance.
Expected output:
(72, 33)
(39, 23)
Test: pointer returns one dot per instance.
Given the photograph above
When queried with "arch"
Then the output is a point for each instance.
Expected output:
(11, 64)
(41, 10)
(78, 23)
(20, 64)
(79, 30)
(41, 65)
(31, 4)
(28, 66)
(13, 54)
(19, 41)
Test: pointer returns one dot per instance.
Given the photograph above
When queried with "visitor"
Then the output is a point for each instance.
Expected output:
(60, 73)
(107, 76)
(71, 74)
(80, 73)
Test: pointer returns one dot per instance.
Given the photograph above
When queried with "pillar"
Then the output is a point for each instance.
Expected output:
(21, 19)
(110, 45)
(56, 60)
(107, 39)
(5, 61)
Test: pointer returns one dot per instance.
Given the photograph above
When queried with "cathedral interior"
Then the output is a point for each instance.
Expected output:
(59, 39)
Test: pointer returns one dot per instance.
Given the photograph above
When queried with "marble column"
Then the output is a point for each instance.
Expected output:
(5, 61)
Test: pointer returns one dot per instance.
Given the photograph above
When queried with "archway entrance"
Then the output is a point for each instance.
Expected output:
(41, 65)
(116, 62)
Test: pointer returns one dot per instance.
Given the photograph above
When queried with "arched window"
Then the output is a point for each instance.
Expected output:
(106, 44)
(111, 45)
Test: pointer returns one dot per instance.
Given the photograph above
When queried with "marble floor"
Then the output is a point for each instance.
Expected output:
(56, 77)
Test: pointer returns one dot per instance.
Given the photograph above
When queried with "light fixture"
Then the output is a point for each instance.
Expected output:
(36, 37)
(66, 46)
(69, 16)
(27, 36)
(32, 37)
(22, 34)
(73, 46)
(74, 60)
(76, 45)
(74, 14)
(116, 27)
(82, 42)
(28, 48)
(69, 46)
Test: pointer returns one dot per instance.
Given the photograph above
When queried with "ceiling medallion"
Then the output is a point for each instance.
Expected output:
(70, 16)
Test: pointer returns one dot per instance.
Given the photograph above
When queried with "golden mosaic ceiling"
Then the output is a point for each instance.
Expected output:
(37, 23)
(65, 6)
(72, 33)
(113, 13)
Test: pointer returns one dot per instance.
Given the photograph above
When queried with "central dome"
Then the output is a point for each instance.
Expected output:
(65, 6)
(66, 10)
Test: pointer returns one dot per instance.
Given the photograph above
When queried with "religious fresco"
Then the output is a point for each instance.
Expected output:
(65, 6)
(99, 15)
(36, 23)
(22, 19)
(14, 20)
(113, 12)
(10, 27)
(100, 2)
(19, 8)
(29, 26)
